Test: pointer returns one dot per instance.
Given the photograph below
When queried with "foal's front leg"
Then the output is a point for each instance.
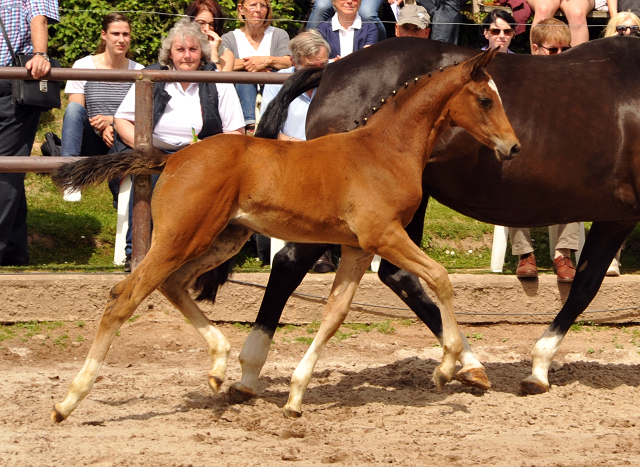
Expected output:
(353, 264)
(395, 246)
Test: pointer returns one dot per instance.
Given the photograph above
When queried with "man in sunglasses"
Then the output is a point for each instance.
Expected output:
(549, 37)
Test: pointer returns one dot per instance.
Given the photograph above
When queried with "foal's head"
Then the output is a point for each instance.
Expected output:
(478, 109)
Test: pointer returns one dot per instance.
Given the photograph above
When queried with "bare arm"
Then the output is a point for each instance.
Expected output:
(613, 7)
(258, 63)
(125, 130)
(227, 61)
(39, 38)
(283, 137)
(78, 99)
(239, 131)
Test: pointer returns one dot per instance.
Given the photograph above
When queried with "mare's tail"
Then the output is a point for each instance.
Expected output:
(271, 123)
(96, 169)
(275, 115)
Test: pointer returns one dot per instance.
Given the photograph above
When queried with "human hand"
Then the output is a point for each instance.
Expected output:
(38, 66)
(100, 122)
(107, 136)
(214, 39)
(256, 63)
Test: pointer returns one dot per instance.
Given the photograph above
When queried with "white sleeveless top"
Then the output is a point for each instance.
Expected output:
(245, 49)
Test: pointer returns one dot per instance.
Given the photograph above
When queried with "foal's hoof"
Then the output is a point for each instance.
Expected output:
(291, 413)
(474, 377)
(215, 383)
(533, 386)
(56, 416)
(239, 394)
(440, 378)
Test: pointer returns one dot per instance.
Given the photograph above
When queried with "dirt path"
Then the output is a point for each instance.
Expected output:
(371, 401)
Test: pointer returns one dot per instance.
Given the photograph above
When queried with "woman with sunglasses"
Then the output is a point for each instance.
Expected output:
(208, 14)
(497, 28)
(256, 46)
(574, 10)
(624, 23)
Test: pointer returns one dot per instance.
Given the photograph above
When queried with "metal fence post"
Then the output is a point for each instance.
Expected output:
(142, 183)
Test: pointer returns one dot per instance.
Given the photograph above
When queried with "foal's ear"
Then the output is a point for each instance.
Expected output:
(480, 62)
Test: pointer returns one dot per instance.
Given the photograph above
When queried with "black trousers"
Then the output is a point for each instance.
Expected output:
(18, 126)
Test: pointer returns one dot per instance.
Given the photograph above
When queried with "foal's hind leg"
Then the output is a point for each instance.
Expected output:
(353, 264)
(124, 298)
(395, 246)
(175, 288)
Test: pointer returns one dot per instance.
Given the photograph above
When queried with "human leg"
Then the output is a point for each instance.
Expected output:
(322, 11)
(522, 245)
(543, 9)
(445, 16)
(247, 94)
(576, 13)
(73, 129)
(368, 11)
(18, 127)
(568, 240)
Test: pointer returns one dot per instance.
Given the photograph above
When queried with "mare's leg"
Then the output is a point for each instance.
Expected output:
(408, 288)
(176, 286)
(289, 267)
(395, 245)
(353, 264)
(602, 243)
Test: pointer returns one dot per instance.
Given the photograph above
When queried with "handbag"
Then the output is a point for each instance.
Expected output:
(36, 94)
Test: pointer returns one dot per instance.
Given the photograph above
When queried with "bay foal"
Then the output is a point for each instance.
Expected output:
(214, 194)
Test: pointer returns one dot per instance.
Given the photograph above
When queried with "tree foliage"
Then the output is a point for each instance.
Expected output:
(78, 33)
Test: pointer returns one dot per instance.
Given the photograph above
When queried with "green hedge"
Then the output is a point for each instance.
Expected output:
(78, 33)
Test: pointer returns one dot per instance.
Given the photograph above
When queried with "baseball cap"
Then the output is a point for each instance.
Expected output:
(414, 14)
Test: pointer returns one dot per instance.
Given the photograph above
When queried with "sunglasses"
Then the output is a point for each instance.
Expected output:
(202, 23)
(622, 29)
(497, 31)
(555, 50)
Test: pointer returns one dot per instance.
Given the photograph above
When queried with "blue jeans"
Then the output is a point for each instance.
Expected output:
(444, 13)
(78, 136)
(323, 11)
(247, 94)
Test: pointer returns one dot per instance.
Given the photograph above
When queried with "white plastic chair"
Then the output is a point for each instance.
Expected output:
(123, 221)
(501, 235)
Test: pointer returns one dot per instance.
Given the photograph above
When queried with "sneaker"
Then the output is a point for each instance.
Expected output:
(527, 267)
(72, 195)
(614, 269)
(564, 269)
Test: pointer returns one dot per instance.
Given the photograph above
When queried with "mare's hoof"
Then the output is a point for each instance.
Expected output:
(215, 383)
(533, 387)
(440, 379)
(239, 394)
(290, 413)
(56, 416)
(475, 378)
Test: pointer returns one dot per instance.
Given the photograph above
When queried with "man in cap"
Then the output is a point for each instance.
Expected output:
(413, 21)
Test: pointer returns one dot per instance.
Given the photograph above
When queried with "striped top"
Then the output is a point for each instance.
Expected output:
(101, 97)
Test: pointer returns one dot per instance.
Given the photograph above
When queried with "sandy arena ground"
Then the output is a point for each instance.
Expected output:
(371, 401)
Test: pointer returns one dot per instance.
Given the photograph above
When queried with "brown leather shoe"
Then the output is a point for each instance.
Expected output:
(527, 267)
(324, 264)
(564, 269)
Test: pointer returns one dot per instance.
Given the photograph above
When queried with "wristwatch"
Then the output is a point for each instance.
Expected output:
(43, 55)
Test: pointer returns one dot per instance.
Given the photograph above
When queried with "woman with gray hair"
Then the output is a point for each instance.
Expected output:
(184, 112)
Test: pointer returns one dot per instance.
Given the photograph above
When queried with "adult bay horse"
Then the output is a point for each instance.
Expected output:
(214, 194)
(577, 115)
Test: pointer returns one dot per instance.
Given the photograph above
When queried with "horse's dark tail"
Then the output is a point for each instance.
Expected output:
(207, 284)
(96, 169)
(275, 115)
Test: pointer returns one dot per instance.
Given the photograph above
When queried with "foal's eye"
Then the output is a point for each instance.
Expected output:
(484, 101)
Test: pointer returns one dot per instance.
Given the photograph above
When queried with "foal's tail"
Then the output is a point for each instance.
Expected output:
(275, 115)
(97, 169)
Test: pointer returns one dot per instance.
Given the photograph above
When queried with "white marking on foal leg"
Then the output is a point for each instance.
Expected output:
(252, 358)
(78, 389)
(542, 354)
(493, 86)
(353, 265)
